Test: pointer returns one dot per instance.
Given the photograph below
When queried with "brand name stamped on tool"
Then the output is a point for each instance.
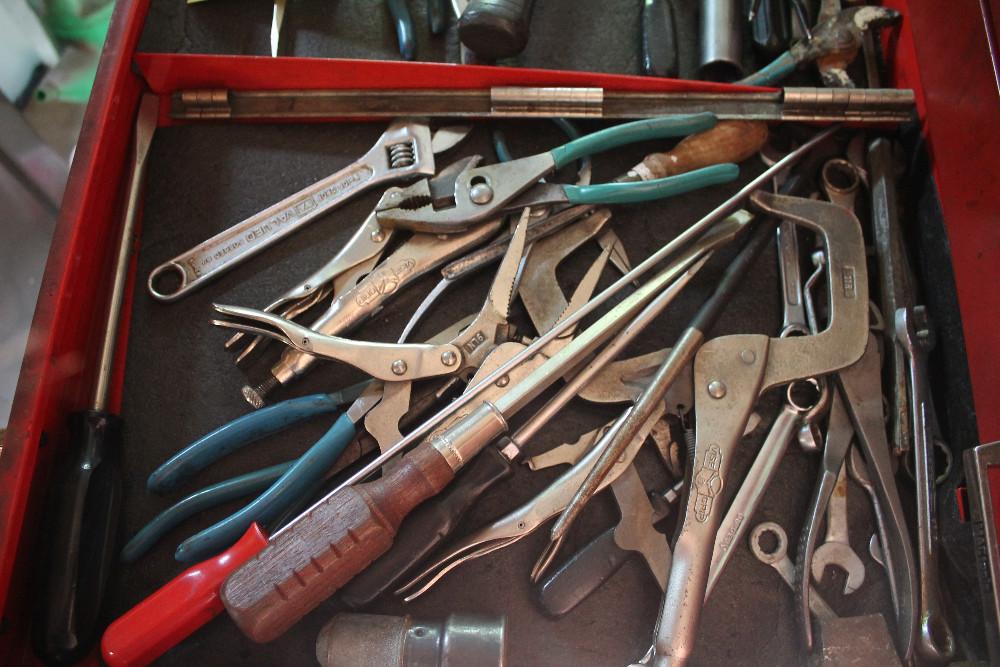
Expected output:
(346, 182)
(279, 223)
(384, 280)
(451, 454)
(473, 343)
(727, 539)
(849, 282)
(707, 483)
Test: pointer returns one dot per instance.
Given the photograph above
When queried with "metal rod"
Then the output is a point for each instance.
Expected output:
(869, 105)
(688, 235)
(145, 125)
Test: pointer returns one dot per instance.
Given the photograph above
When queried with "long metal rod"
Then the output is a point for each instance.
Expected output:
(144, 127)
(718, 213)
(801, 104)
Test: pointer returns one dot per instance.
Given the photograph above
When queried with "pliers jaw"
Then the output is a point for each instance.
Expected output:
(456, 201)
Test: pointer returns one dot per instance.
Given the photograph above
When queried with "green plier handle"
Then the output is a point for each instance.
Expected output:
(630, 133)
(659, 188)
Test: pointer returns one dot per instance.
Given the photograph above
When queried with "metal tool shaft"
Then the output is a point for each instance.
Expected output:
(872, 105)
(143, 138)
(680, 356)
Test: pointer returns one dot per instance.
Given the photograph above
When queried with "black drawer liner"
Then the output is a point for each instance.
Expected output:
(181, 383)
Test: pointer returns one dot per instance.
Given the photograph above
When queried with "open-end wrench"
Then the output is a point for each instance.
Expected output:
(829, 485)
(914, 332)
(755, 484)
(778, 559)
(836, 550)
(858, 470)
(895, 280)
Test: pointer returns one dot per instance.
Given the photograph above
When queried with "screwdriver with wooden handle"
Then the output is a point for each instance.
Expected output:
(87, 498)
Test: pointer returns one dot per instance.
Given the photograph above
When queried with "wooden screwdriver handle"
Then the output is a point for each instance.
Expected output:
(332, 542)
(728, 141)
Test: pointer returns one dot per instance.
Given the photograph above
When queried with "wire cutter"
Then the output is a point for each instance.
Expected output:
(453, 204)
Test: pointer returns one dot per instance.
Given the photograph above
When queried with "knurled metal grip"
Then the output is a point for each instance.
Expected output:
(469, 435)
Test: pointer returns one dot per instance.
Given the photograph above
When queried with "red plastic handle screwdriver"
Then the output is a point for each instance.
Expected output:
(168, 616)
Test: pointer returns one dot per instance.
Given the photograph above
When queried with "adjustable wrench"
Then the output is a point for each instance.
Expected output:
(915, 334)
(730, 373)
(404, 150)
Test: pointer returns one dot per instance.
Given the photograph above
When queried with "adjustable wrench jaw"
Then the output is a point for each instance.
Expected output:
(403, 151)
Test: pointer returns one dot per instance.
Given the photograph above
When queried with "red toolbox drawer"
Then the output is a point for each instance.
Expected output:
(940, 52)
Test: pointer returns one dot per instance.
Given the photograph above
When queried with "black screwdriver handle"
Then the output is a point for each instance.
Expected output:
(495, 29)
(659, 39)
(82, 537)
(582, 574)
(771, 28)
(427, 527)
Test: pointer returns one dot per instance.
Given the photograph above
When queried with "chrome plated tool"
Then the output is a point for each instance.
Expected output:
(836, 550)
(730, 373)
(861, 384)
(404, 150)
(778, 559)
(263, 616)
(479, 193)
(397, 362)
(915, 333)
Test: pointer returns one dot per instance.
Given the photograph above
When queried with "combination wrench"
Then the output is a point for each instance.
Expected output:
(778, 559)
(829, 494)
(914, 332)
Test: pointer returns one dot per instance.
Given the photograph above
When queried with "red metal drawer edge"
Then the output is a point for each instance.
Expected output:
(944, 54)
(54, 375)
